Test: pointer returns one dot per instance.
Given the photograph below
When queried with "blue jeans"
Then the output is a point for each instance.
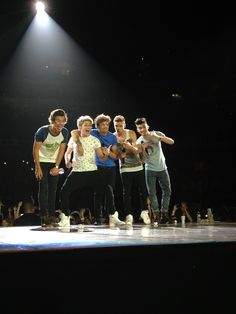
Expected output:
(162, 177)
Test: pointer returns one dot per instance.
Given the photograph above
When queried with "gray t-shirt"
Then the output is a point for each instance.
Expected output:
(154, 157)
(131, 162)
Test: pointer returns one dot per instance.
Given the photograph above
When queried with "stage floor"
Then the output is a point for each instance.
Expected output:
(89, 236)
(143, 269)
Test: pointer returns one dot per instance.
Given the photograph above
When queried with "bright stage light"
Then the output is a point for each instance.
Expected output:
(40, 6)
(41, 15)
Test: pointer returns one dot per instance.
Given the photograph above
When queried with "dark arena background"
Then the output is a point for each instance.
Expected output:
(171, 63)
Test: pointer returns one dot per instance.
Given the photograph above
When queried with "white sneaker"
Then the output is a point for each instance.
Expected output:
(129, 220)
(115, 221)
(65, 220)
(145, 217)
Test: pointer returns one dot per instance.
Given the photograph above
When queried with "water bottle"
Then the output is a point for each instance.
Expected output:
(210, 215)
(198, 217)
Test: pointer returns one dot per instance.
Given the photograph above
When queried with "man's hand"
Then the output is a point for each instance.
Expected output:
(38, 173)
(106, 150)
(54, 171)
(147, 144)
(68, 164)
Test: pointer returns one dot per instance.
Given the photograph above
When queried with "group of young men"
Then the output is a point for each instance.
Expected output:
(91, 154)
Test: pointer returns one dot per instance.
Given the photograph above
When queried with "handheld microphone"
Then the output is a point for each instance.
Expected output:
(148, 150)
(61, 171)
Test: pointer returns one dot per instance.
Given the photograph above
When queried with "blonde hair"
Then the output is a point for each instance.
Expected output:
(82, 119)
(119, 118)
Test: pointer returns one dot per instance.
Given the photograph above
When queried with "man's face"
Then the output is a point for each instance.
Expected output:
(119, 127)
(142, 129)
(59, 123)
(86, 128)
(103, 127)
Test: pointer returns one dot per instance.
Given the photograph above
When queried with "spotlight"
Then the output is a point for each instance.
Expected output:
(41, 15)
(40, 6)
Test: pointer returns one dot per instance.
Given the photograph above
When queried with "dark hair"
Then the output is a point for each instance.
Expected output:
(55, 113)
(140, 121)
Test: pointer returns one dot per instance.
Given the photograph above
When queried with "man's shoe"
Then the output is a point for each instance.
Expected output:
(156, 218)
(97, 222)
(115, 221)
(65, 220)
(145, 217)
(165, 218)
(129, 220)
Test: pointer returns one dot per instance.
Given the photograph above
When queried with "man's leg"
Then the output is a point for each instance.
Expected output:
(151, 178)
(164, 181)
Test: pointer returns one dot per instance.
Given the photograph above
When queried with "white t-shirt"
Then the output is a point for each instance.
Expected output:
(87, 162)
(50, 143)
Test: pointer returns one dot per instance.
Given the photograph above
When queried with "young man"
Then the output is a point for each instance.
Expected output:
(48, 150)
(131, 170)
(84, 172)
(106, 168)
(155, 168)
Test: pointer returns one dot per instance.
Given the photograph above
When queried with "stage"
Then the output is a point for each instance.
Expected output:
(174, 268)
(16, 239)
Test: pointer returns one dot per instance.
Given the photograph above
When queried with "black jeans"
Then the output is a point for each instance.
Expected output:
(105, 192)
(47, 190)
(132, 180)
(77, 181)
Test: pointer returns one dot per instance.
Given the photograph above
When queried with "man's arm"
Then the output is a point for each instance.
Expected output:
(133, 145)
(55, 170)
(113, 152)
(75, 134)
(75, 137)
(101, 155)
(67, 157)
(60, 154)
(163, 138)
(38, 170)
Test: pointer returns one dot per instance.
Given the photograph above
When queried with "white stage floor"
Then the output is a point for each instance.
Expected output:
(34, 238)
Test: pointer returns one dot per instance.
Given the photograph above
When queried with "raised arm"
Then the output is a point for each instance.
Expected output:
(75, 134)
(163, 138)
(132, 145)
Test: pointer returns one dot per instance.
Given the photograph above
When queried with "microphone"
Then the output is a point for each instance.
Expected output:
(61, 171)
(147, 150)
